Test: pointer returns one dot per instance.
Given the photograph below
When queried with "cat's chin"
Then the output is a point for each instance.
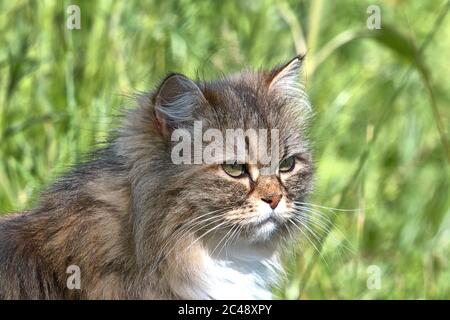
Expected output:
(264, 234)
(264, 231)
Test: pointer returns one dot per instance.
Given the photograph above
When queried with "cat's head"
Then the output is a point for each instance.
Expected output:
(255, 197)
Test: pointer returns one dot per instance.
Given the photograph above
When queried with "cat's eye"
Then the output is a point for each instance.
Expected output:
(287, 164)
(235, 170)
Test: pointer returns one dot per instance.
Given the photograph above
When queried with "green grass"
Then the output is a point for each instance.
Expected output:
(380, 132)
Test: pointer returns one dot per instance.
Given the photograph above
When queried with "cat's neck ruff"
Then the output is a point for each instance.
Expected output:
(241, 271)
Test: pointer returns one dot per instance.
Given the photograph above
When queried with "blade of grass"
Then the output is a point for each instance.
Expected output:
(295, 26)
(313, 30)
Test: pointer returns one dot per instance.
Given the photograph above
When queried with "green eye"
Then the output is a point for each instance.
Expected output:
(235, 170)
(287, 164)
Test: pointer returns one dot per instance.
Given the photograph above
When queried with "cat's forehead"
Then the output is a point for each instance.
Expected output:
(243, 102)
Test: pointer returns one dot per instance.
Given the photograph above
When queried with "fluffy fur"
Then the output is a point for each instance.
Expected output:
(141, 227)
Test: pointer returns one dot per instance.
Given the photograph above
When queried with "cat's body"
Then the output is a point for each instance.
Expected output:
(31, 275)
(137, 226)
(88, 225)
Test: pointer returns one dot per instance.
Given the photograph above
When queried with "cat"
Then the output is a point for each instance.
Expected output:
(131, 224)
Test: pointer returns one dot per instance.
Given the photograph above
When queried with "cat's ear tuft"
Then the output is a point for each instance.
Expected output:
(174, 102)
(286, 78)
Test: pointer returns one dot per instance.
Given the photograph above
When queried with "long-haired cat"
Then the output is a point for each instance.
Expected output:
(136, 225)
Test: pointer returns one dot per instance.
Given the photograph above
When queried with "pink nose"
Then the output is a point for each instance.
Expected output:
(272, 200)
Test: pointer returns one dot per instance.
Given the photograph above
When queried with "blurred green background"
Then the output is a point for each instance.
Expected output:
(380, 132)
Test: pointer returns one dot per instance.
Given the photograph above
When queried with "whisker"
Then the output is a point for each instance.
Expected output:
(186, 231)
(206, 233)
(304, 224)
(236, 235)
(316, 220)
(327, 228)
(222, 239)
(229, 240)
(315, 211)
(312, 243)
(318, 215)
(328, 208)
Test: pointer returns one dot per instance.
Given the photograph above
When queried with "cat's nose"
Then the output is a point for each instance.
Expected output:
(272, 200)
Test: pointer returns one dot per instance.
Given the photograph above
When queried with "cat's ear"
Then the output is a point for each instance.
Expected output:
(174, 102)
(285, 79)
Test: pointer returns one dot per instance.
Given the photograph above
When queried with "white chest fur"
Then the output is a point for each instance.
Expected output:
(239, 273)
